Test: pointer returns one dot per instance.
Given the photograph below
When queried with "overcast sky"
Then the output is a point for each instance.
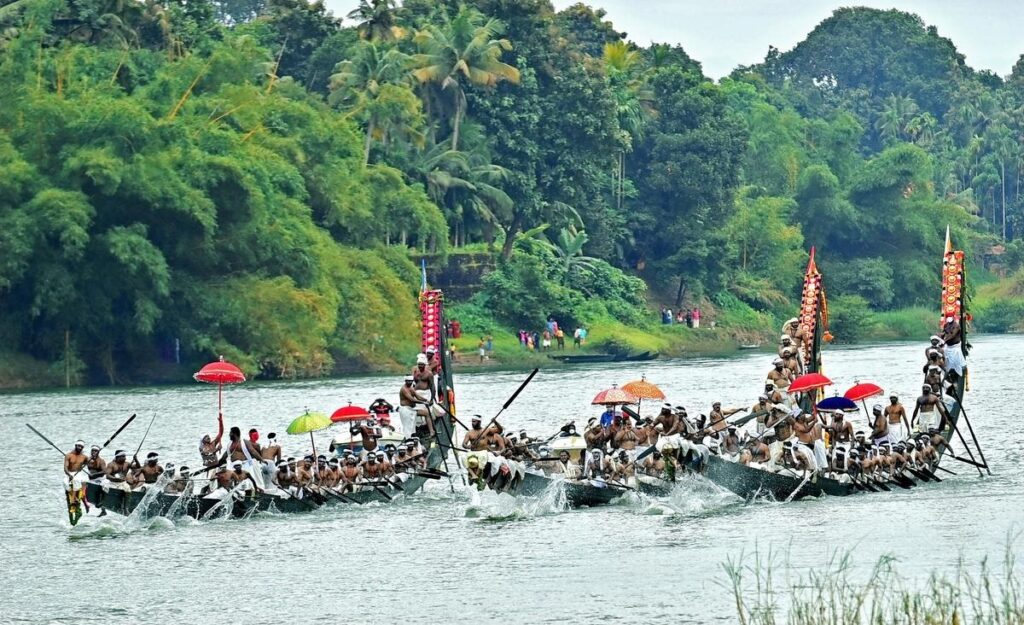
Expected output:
(722, 34)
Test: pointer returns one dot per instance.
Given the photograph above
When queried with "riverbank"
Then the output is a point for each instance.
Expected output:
(851, 323)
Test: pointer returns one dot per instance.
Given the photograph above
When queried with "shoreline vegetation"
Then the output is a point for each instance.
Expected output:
(22, 372)
(767, 591)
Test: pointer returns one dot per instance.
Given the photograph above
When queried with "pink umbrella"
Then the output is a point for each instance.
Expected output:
(614, 395)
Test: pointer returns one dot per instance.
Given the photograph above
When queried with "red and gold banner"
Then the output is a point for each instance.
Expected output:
(431, 304)
(813, 302)
(952, 286)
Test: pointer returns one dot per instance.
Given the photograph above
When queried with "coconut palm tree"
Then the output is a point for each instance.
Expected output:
(376, 20)
(372, 85)
(465, 50)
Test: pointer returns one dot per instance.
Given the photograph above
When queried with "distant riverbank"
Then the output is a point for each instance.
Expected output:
(19, 371)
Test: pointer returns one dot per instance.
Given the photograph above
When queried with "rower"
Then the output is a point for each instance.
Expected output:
(935, 345)
(180, 483)
(95, 465)
(773, 394)
(626, 437)
(566, 466)
(668, 419)
(717, 416)
(304, 471)
(731, 443)
(762, 408)
(225, 478)
(594, 467)
(524, 439)
(808, 432)
(474, 440)
(795, 330)
(931, 411)
(594, 435)
(780, 376)
(370, 432)
(385, 465)
(372, 471)
(272, 451)
(896, 414)
(756, 450)
(840, 430)
(935, 359)
(623, 470)
(350, 474)
(151, 471)
(785, 343)
(654, 464)
(791, 361)
(934, 378)
(119, 473)
(285, 479)
(74, 461)
(798, 457)
(879, 426)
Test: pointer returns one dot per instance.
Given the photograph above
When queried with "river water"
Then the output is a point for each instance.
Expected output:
(443, 557)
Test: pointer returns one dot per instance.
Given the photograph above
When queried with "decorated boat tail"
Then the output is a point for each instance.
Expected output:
(784, 484)
(194, 500)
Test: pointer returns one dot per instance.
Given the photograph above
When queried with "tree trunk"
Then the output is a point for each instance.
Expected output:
(681, 291)
(1002, 181)
(367, 143)
(510, 237)
(456, 123)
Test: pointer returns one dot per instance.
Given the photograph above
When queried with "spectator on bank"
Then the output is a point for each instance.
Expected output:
(696, 317)
(689, 319)
(560, 338)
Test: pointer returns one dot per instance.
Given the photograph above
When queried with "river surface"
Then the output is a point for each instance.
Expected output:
(443, 557)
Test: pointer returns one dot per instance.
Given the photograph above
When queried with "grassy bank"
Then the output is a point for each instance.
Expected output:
(18, 371)
(833, 594)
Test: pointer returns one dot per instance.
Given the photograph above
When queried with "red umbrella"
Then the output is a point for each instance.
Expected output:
(350, 413)
(614, 395)
(808, 382)
(220, 372)
(863, 390)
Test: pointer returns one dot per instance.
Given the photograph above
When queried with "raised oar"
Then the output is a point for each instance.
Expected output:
(511, 399)
(144, 437)
(40, 435)
(119, 430)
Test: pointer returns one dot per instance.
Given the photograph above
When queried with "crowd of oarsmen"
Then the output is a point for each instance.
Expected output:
(785, 436)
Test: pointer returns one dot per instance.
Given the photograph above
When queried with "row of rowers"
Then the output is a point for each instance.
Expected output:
(247, 460)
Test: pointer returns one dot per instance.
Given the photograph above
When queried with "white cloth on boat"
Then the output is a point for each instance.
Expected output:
(78, 479)
(954, 358)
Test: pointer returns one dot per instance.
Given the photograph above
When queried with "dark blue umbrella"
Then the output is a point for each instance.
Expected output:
(837, 403)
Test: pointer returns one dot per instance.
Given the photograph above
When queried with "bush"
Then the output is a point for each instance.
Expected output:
(871, 278)
(999, 315)
(850, 318)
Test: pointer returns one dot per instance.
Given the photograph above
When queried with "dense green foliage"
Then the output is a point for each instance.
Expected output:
(249, 176)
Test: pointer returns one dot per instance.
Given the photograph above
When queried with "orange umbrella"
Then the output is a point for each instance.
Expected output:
(643, 389)
(613, 396)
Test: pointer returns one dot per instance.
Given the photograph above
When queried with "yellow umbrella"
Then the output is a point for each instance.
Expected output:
(642, 389)
(308, 423)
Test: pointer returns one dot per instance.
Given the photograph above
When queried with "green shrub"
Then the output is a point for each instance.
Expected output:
(850, 318)
(999, 315)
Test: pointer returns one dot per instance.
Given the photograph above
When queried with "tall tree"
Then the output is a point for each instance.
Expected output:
(464, 50)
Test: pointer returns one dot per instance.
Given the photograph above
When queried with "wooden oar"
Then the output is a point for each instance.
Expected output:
(119, 430)
(135, 456)
(512, 398)
(40, 435)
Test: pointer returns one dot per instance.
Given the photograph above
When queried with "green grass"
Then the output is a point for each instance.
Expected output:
(908, 323)
(834, 595)
(999, 306)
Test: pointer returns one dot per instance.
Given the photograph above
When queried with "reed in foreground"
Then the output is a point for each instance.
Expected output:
(835, 595)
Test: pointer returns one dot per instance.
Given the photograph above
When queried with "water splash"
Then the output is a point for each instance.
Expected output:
(693, 496)
(492, 506)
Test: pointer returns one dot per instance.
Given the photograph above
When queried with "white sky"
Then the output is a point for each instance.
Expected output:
(722, 34)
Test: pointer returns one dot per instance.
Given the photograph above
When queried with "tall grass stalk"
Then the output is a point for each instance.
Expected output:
(835, 595)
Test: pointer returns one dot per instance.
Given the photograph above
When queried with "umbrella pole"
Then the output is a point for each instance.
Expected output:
(316, 465)
(220, 401)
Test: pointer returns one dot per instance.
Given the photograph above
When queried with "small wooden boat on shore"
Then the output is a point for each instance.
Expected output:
(579, 359)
